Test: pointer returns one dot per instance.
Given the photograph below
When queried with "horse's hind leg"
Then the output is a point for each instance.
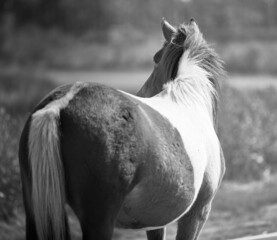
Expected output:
(191, 224)
(157, 234)
(97, 222)
(102, 230)
(95, 204)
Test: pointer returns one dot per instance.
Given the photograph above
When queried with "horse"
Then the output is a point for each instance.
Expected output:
(126, 161)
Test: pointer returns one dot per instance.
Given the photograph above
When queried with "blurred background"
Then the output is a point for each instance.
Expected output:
(46, 43)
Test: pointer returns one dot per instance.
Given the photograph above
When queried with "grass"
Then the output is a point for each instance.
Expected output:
(248, 132)
(244, 209)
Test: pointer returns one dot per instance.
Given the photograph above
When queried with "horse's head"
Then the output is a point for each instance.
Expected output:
(187, 41)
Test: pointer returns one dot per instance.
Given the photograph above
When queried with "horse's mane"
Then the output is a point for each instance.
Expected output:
(189, 39)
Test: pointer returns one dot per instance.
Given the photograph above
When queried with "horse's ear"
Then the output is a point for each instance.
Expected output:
(168, 30)
(195, 26)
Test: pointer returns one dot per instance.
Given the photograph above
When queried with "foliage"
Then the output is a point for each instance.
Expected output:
(20, 92)
(250, 57)
(69, 34)
(248, 132)
(9, 169)
(18, 95)
(229, 19)
(64, 14)
(124, 48)
(19, 49)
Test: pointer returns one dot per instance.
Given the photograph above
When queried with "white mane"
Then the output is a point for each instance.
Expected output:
(191, 85)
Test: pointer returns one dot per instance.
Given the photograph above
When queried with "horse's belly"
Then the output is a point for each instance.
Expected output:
(150, 205)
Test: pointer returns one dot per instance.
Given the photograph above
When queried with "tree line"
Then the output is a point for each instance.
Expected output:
(225, 18)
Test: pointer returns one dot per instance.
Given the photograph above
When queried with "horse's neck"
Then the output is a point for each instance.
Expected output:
(191, 88)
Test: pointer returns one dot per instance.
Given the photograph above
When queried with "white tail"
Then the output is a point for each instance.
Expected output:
(47, 174)
(48, 193)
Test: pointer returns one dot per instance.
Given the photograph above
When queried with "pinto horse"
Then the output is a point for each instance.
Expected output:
(119, 160)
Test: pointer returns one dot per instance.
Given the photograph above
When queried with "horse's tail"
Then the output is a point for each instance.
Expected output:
(48, 189)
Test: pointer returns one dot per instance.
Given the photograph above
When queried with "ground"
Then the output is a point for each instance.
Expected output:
(238, 210)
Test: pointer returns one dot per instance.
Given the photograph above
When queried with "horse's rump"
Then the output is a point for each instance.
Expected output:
(124, 144)
(117, 146)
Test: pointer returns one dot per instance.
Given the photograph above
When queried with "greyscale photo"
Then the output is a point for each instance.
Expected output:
(142, 119)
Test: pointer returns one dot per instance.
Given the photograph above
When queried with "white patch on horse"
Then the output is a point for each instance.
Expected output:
(60, 103)
(187, 104)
